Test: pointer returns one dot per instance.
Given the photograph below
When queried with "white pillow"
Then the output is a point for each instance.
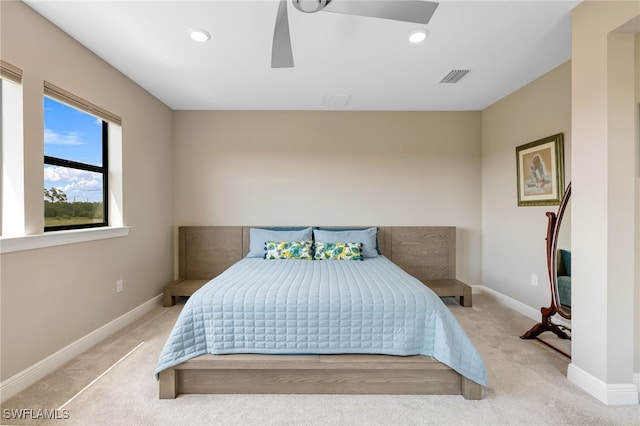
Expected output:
(367, 237)
(258, 236)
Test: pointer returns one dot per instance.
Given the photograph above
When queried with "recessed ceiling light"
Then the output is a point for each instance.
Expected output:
(418, 36)
(198, 34)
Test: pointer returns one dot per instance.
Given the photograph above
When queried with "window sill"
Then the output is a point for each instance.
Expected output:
(58, 238)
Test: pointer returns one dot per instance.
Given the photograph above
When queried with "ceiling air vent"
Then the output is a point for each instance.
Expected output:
(454, 76)
(336, 100)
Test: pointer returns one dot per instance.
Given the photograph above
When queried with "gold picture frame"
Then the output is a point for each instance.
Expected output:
(540, 171)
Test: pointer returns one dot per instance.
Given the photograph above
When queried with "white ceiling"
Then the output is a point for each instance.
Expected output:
(505, 44)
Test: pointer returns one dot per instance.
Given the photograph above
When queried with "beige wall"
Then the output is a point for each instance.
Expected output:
(604, 217)
(636, 368)
(332, 168)
(52, 297)
(513, 238)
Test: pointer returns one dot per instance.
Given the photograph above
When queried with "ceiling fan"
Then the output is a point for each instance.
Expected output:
(416, 11)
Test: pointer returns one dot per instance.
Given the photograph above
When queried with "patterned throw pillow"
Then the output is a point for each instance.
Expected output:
(288, 250)
(338, 251)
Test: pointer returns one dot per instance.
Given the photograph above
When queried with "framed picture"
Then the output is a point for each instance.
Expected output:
(541, 171)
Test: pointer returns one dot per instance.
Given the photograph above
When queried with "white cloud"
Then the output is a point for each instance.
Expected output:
(67, 138)
(66, 174)
(79, 185)
(83, 185)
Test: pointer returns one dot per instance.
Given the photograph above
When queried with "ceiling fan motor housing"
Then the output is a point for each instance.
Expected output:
(310, 6)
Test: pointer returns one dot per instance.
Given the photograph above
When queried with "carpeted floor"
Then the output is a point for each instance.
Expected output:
(528, 386)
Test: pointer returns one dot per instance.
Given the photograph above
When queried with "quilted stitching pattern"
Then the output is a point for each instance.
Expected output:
(311, 307)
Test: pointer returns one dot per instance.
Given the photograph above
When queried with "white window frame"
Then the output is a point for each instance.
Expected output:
(12, 189)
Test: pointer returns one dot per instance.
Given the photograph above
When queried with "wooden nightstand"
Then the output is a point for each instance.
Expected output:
(451, 287)
(204, 252)
(181, 287)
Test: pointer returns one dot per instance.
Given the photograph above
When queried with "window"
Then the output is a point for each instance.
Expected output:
(21, 208)
(12, 216)
(76, 169)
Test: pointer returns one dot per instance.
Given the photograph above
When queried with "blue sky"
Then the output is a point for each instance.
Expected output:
(72, 134)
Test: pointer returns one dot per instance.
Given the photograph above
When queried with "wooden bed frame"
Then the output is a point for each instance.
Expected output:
(205, 251)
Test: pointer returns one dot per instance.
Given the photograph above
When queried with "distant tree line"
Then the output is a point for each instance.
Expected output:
(56, 205)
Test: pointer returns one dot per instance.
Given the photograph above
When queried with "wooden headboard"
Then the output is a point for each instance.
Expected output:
(426, 252)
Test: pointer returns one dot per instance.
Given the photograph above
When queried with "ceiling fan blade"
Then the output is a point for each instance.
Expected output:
(417, 11)
(281, 54)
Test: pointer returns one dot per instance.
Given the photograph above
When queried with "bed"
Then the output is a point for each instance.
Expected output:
(319, 326)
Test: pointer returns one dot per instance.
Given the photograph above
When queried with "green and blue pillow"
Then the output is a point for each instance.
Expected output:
(288, 250)
(338, 251)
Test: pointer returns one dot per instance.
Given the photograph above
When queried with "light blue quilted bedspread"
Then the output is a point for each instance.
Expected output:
(319, 307)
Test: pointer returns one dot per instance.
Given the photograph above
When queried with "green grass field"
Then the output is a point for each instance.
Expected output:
(60, 221)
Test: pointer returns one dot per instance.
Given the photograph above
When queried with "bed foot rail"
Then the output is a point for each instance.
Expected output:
(315, 374)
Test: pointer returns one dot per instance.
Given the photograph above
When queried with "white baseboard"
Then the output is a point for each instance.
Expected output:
(610, 394)
(518, 306)
(29, 376)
